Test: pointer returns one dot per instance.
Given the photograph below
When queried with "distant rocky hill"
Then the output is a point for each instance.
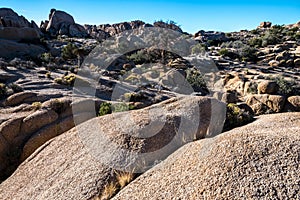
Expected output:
(62, 74)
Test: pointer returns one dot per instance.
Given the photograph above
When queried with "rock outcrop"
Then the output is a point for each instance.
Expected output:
(69, 166)
(11, 19)
(15, 27)
(205, 36)
(268, 87)
(169, 25)
(259, 160)
(104, 31)
(19, 34)
(265, 103)
(265, 25)
(62, 23)
(29, 129)
(11, 49)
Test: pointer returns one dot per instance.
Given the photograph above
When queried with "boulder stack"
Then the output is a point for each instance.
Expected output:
(15, 27)
(62, 23)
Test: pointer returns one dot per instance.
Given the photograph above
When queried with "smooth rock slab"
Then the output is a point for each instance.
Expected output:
(67, 168)
(257, 161)
(19, 98)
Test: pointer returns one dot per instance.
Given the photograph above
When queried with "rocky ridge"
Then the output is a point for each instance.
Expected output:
(257, 72)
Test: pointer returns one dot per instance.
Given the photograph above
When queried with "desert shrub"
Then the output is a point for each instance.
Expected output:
(58, 80)
(254, 31)
(237, 44)
(111, 189)
(270, 39)
(277, 29)
(199, 49)
(3, 90)
(286, 87)
(167, 24)
(139, 57)
(121, 107)
(150, 56)
(214, 42)
(133, 97)
(233, 44)
(297, 36)
(227, 53)
(223, 52)
(291, 31)
(48, 75)
(237, 116)
(70, 79)
(69, 51)
(228, 34)
(248, 53)
(46, 57)
(255, 42)
(66, 80)
(57, 105)
(197, 81)
(105, 108)
(36, 105)
(253, 88)
(16, 88)
(244, 51)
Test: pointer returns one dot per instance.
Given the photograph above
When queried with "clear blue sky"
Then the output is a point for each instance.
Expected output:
(192, 15)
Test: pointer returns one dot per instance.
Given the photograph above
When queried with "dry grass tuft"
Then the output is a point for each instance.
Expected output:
(109, 191)
(124, 178)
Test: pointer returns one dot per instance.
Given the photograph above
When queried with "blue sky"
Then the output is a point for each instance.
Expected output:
(192, 15)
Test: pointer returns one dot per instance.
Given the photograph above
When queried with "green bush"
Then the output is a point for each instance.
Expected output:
(248, 54)
(46, 57)
(139, 57)
(36, 105)
(297, 36)
(196, 80)
(237, 116)
(228, 34)
(66, 80)
(223, 52)
(291, 31)
(69, 51)
(108, 108)
(277, 29)
(253, 88)
(286, 87)
(121, 107)
(254, 31)
(226, 53)
(243, 51)
(3, 90)
(270, 39)
(105, 108)
(199, 49)
(167, 24)
(255, 42)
